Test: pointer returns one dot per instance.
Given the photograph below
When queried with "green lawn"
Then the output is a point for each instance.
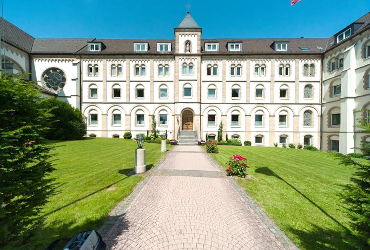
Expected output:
(299, 190)
(84, 172)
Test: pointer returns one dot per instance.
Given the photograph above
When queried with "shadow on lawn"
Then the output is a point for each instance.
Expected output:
(269, 172)
(131, 171)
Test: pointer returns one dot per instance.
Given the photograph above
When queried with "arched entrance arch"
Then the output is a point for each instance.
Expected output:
(187, 118)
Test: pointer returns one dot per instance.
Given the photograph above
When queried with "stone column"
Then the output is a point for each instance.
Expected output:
(163, 146)
(296, 132)
(104, 125)
(140, 166)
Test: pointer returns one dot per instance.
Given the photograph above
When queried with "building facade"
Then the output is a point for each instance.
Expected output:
(267, 91)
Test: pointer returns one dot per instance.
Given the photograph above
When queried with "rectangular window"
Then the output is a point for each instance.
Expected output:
(140, 47)
(211, 46)
(163, 119)
(93, 119)
(258, 139)
(282, 139)
(116, 92)
(340, 63)
(235, 46)
(162, 92)
(344, 35)
(282, 121)
(211, 120)
(337, 90)
(93, 93)
(163, 47)
(367, 53)
(283, 93)
(235, 93)
(234, 120)
(334, 145)
(335, 119)
(211, 93)
(187, 92)
(94, 47)
(258, 120)
(281, 46)
(259, 93)
(116, 119)
(140, 119)
(140, 93)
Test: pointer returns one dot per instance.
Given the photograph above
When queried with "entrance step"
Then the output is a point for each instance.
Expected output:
(187, 137)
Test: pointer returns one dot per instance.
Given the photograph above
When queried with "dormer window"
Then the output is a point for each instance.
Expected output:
(344, 35)
(163, 47)
(94, 46)
(138, 47)
(281, 46)
(234, 46)
(211, 46)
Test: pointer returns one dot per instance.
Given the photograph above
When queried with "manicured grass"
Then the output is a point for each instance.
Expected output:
(300, 190)
(92, 176)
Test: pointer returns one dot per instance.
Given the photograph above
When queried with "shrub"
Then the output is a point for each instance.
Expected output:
(211, 147)
(283, 145)
(247, 143)
(67, 122)
(276, 144)
(24, 158)
(92, 135)
(231, 142)
(291, 145)
(299, 146)
(115, 136)
(237, 166)
(219, 132)
(127, 135)
(310, 147)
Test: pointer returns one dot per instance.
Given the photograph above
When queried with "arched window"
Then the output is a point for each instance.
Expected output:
(258, 118)
(90, 70)
(93, 117)
(235, 118)
(284, 70)
(163, 70)
(334, 117)
(259, 91)
(284, 92)
(211, 91)
(140, 91)
(215, 70)
(235, 136)
(211, 118)
(163, 91)
(93, 91)
(258, 139)
(116, 117)
(367, 79)
(187, 90)
(283, 119)
(366, 49)
(334, 143)
(307, 140)
(335, 89)
(281, 69)
(312, 70)
(187, 46)
(139, 69)
(113, 70)
(212, 69)
(211, 137)
(140, 118)
(263, 70)
(332, 64)
(308, 91)
(119, 69)
(166, 70)
(235, 91)
(235, 69)
(287, 69)
(260, 70)
(184, 68)
(187, 69)
(257, 69)
(163, 121)
(283, 139)
(116, 91)
(307, 118)
(10, 66)
(309, 69)
(191, 68)
(96, 70)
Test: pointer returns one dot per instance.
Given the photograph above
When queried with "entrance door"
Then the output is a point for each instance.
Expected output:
(187, 120)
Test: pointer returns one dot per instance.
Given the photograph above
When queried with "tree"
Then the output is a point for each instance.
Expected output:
(356, 195)
(24, 158)
(67, 122)
(154, 128)
(219, 132)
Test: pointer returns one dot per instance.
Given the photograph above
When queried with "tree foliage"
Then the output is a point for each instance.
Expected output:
(24, 158)
(67, 123)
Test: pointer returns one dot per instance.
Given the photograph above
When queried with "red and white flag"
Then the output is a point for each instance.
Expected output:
(292, 2)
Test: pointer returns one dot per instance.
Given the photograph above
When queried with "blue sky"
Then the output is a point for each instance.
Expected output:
(156, 19)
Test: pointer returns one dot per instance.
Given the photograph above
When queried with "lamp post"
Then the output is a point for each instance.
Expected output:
(140, 166)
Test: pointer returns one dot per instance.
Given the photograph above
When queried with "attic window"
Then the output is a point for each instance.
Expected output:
(94, 46)
(281, 46)
(344, 35)
(234, 46)
(211, 46)
(304, 48)
(140, 47)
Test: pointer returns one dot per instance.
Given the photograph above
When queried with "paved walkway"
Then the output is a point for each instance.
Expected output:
(188, 203)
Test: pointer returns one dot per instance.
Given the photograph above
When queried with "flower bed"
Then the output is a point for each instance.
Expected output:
(237, 166)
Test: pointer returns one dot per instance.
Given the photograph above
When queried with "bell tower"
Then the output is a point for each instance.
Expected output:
(188, 36)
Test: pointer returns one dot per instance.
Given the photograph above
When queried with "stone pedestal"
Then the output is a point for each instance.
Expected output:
(140, 161)
(163, 146)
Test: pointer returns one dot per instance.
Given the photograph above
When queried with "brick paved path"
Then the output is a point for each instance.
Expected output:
(188, 203)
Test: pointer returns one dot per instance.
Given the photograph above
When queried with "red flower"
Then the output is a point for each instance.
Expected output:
(228, 169)
(239, 158)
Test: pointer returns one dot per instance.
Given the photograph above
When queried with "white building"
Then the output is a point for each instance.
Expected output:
(301, 91)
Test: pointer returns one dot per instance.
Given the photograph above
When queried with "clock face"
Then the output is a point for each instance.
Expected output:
(54, 78)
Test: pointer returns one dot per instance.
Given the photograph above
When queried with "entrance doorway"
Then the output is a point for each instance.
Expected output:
(187, 120)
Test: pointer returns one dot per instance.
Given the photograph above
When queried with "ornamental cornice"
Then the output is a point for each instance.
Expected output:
(54, 60)
(139, 61)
